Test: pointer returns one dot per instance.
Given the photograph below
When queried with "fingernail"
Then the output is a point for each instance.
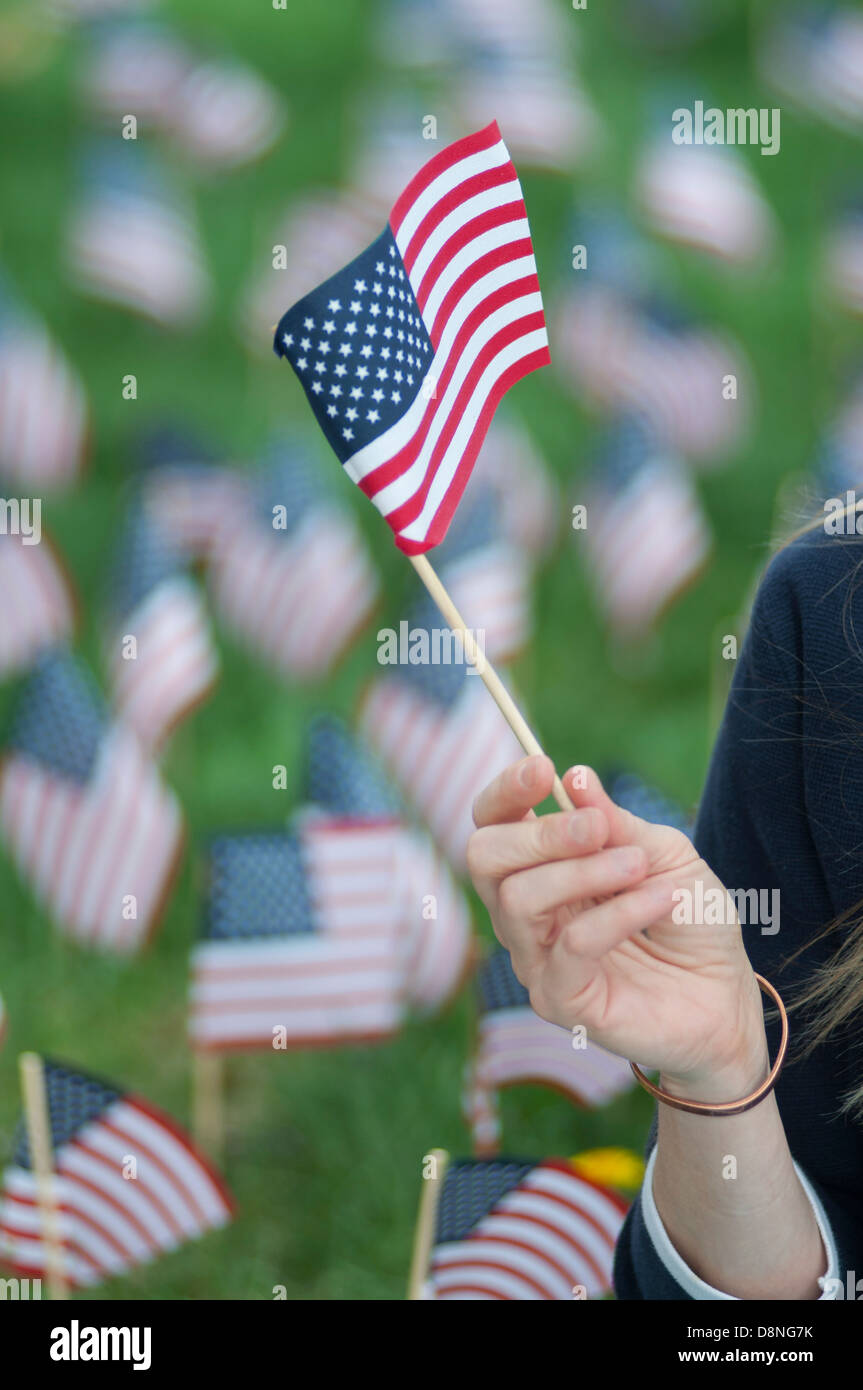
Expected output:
(578, 828)
(526, 773)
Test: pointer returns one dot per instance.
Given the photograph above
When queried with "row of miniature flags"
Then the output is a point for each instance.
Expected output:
(125, 1184)
(329, 931)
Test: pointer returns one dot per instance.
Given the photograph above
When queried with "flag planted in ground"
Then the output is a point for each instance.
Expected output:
(437, 733)
(83, 811)
(161, 657)
(188, 494)
(39, 608)
(514, 1229)
(132, 240)
(303, 942)
(129, 1184)
(514, 1047)
(405, 353)
(289, 569)
(345, 779)
(646, 536)
(43, 412)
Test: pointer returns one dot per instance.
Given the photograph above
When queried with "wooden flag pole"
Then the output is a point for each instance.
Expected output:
(492, 681)
(424, 1232)
(38, 1122)
(208, 1105)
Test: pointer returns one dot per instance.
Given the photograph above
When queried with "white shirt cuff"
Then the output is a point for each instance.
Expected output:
(689, 1280)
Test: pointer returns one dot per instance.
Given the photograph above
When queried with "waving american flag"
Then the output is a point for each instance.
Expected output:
(405, 353)
(111, 1217)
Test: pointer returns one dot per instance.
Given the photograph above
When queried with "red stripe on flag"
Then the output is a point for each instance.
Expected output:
(483, 139)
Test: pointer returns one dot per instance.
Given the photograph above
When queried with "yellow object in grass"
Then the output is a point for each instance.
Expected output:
(613, 1167)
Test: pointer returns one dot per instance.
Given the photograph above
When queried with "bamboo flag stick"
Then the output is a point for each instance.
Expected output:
(38, 1121)
(208, 1105)
(426, 1217)
(492, 681)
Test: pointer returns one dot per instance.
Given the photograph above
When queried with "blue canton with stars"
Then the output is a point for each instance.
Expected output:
(258, 888)
(471, 1189)
(59, 717)
(359, 347)
(497, 984)
(343, 776)
(74, 1100)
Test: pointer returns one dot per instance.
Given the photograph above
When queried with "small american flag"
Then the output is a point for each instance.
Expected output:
(416, 33)
(319, 232)
(514, 1047)
(649, 358)
(843, 260)
(289, 570)
(392, 150)
(218, 112)
(646, 536)
(133, 243)
(507, 27)
(406, 352)
(550, 121)
(344, 779)
(39, 608)
(517, 1229)
(188, 495)
(135, 66)
(441, 739)
(84, 813)
(486, 575)
(129, 1184)
(705, 197)
(814, 57)
(511, 465)
(303, 933)
(676, 376)
(173, 664)
(43, 413)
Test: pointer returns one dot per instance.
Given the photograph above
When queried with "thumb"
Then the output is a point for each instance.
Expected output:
(665, 846)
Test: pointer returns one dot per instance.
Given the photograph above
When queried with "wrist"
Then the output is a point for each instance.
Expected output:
(732, 1072)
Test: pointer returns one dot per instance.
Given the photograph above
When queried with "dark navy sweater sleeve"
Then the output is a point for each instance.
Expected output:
(782, 808)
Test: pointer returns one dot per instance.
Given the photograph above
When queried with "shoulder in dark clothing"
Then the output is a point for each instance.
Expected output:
(782, 814)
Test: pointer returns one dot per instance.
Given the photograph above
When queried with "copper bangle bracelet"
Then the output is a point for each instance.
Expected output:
(729, 1107)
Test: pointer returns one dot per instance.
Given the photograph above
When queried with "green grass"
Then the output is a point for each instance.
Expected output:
(324, 1150)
